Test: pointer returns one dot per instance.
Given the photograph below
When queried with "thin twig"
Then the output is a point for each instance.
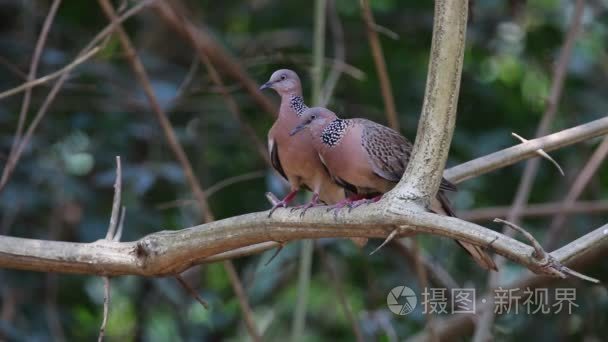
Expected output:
(307, 246)
(576, 253)
(386, 31)
(192, 291)
(214, 188)
(580, 183)
(388, 239)
(514, 154)
(541, 153)
(13, 68)
(482, 332)
(114, 217)
(539, 252)
(121, 224)
(30, 84)
(379, 61)
(180, 154)
(88, 49)
(437, 274)
(536, 210)
(423, 282)
(216, 52)
(242, 297)
(183, 87)
(339, 290)
(25, 104)
(339, 51)
(545, 258)
(233, 106)
(106, 308)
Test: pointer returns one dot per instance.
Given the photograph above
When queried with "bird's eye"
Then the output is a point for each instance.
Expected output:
(313, 117)
(283, 77)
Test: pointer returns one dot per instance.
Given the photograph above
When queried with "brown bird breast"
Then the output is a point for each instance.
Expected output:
(300, 161)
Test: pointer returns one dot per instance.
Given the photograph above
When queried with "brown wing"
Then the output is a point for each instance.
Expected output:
(274, 158)
(389, 152)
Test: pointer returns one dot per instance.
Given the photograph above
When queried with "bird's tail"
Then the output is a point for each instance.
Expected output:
(442, 206)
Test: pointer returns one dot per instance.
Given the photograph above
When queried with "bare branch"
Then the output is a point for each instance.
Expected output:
(339, 53)
(242, 297)
(106, 308)
(425, 168)
(531, 169)
(114, 217)
(178, 150)
(536, 210)
(437, 273)
(388, 239)
(88, 49)
(339, 289)
(46, 27)
(582, 251)
(542, 154)
(191, 291)
(170, 252)
(216, 52)
(379, 61)
(121, 224)
(231, 103)
(575, 191)
(30, 84)
(512, 155)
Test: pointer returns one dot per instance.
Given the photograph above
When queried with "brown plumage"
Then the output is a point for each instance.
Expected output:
(295, 158)
(369, 159)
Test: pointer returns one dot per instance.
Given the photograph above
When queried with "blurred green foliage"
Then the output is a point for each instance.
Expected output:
(62, 187)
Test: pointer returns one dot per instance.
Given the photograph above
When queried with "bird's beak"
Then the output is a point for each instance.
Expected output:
(297, 129)
(266, 85)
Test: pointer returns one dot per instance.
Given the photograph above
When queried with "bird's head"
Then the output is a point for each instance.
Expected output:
(315, 118)
(284, 81)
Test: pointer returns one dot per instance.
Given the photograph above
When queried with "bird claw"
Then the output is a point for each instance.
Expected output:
(307, 206)
(355, 204)
(336, 207)
(358, 203)
(280, 204)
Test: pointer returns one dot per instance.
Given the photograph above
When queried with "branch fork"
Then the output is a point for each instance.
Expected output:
(545, 261)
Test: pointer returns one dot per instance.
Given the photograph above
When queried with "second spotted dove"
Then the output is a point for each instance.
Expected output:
(369, 159)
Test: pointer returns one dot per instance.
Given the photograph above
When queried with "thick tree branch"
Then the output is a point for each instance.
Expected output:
(170, 252)
(425, 169)
(104, 257)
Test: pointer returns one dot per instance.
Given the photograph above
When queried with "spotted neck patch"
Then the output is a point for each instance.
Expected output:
(297, 104)
(333, 132)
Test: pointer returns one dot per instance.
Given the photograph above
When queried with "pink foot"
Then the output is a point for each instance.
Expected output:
(314, 202)
(343, 203)
(361, 202)
(284, 202)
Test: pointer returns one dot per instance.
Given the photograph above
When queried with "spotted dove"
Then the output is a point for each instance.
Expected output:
(369, 159)
(295, 158)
